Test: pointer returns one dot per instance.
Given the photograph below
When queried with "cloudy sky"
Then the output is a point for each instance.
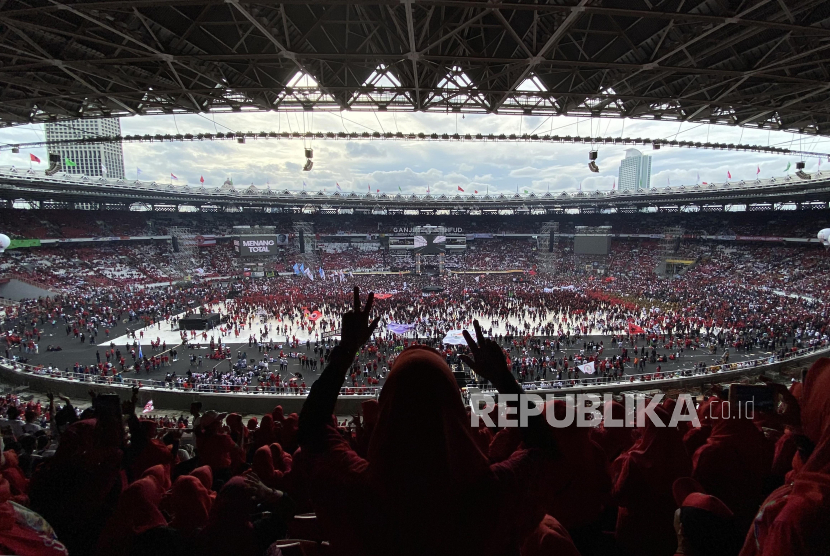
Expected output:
(414, 166)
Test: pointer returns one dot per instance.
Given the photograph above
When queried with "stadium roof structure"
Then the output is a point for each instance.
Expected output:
(68, 191)
(757, 63)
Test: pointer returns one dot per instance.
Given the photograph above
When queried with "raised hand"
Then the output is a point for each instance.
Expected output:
(488, 359)
(357, 329)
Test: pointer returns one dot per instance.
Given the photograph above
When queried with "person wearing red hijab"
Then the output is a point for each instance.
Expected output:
(577, 486)
(282, 460)
(190, 503)
(795, 518)
(265, 434)
(230, 530)
(425, 486)
(216, 448)
(704, 525)
(137, 512)
(643, 489)
(205, 476)
(734, 463)
(613, 440)
(263, 466)
(549, 538)
(145, 450)
(23, 532)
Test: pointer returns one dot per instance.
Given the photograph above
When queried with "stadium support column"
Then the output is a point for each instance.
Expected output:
(441, 264)
(417, 263)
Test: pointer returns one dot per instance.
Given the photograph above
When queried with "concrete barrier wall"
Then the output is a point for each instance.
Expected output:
(250, 403)
(175, 400)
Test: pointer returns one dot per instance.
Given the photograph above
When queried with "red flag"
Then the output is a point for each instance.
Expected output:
(378, 190)
(461, 190)
(369, 187)
(33, 158)
(475, 190)
(634, 329)
(729, 174)
(202, 179)
(758, 171)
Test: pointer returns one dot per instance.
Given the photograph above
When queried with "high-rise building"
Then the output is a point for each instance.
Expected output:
(101, 159)
(635, 171)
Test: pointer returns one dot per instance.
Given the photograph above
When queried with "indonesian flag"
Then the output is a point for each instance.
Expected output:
(172, 176)
(33, 158)
(148, 407)
(634, 329)
(461, 190)
(202, 179)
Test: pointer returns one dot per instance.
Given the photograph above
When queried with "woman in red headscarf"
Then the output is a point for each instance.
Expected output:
(137, 512)
(643, 489)
(734, 463)
(266, 433)
(425, 487)
(190, 503)
(229, 530)
(795, 518)
(263, 466)
(24, 532)
(613, 440)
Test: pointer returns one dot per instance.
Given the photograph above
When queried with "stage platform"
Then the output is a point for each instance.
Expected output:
(199, 322)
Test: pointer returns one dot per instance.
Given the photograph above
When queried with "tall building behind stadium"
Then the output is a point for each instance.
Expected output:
(635, 171)
(104, 159)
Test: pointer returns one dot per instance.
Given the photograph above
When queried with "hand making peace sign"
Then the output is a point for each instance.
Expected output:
(488, 358)
(357, 329)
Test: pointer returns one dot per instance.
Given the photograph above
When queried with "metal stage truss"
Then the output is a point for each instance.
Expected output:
(547, 250)
(185, 251)
(761, 63)
(242, 136)
(305, 244)
(670, 259)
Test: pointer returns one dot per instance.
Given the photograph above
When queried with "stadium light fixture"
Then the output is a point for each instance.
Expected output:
(308, 165)
(592, 164)
(15, 149)
(799, 171)
(240, 140)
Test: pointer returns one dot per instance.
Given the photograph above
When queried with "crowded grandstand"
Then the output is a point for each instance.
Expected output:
(111, 302)
(415, 309)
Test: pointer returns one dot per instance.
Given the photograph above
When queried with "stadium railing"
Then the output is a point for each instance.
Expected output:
(39, 370)
(663, 376)
(374, 391)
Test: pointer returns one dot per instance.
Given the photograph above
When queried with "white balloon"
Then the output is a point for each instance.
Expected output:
(4, 242)
(824, 237)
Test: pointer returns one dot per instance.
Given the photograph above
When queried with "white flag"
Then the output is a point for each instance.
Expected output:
(587, 368)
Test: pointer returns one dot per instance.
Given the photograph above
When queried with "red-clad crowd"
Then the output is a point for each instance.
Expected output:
(415, 473)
